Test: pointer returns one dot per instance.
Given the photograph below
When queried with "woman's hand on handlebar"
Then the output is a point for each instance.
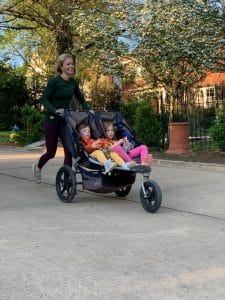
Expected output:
(60, 112)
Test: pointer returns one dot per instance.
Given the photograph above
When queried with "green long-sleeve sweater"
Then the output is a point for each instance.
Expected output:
(58, 94)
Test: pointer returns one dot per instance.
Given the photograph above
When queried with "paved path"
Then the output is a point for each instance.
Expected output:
(104, 247)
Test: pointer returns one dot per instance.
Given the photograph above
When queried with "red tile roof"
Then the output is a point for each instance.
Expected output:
(213, 78)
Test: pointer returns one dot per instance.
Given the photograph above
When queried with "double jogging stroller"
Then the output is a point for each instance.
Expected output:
(89, 173)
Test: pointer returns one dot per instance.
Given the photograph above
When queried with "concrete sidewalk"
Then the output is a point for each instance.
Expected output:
(105, 247)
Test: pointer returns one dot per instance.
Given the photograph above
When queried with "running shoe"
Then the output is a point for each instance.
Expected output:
(129, 164)
(109, 166)
(36, 173)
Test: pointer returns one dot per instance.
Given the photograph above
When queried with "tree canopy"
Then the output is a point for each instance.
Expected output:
(68, 25)
(179, 41)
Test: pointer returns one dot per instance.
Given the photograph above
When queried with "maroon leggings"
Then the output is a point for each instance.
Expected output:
(52, 133)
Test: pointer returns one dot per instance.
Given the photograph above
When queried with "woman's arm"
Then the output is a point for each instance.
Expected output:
(48, 91)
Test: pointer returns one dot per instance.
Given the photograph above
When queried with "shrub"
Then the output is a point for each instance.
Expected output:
(129, 111)
(13, 95)
(14, 137)
(207, 117)
(5, 137)
(147, 126)
(217, 130)
(32, 126)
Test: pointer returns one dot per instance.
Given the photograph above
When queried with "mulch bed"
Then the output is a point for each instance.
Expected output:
(214, 157)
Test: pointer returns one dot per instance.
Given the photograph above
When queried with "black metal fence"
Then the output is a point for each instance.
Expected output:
(200, 117)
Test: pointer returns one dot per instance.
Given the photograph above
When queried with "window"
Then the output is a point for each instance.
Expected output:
(210, 96)
(200, 98)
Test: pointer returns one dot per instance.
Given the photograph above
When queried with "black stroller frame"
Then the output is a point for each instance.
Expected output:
(93, 178)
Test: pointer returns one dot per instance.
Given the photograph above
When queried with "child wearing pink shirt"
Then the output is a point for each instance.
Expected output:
(124, 148)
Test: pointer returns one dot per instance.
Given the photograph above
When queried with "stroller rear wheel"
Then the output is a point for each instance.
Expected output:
(151, 198)
(65, 184)
(123, 192)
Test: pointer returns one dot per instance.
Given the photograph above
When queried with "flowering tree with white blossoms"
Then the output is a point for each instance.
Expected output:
(178, 42)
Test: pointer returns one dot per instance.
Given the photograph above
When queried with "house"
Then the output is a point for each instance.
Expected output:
(209, 92)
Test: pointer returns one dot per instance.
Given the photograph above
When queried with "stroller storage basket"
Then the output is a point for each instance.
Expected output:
(96, 181)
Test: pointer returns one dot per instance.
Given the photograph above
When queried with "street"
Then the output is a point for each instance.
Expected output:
(105, 247)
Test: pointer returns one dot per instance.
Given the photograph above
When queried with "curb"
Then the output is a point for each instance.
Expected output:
(156, 162)
(13, 148)
(21, 149)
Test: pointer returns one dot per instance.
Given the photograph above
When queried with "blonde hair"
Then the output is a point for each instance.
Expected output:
(60, 60)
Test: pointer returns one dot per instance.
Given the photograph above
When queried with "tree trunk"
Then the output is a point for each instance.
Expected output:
(171, 107)
(63, 36)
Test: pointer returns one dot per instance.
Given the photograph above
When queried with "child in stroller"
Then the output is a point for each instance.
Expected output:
(125, 149)
(91, 172)
(99, 149)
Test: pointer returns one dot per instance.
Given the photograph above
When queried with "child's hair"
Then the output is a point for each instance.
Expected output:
(107, 124)
(83, 125)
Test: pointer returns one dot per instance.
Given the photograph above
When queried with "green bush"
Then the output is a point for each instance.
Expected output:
(129, 111)
(207, 117)
(13, 95)
(32, 126)
(14, 137)
(147, 125)
(5, 137)
(217, 130)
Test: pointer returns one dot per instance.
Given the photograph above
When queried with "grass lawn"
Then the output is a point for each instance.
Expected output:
(4, 137)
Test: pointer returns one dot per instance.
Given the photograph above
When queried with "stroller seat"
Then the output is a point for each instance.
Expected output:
(95, 121)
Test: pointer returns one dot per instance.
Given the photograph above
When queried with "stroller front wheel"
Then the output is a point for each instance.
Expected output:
(151, 197)
(65, 184)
